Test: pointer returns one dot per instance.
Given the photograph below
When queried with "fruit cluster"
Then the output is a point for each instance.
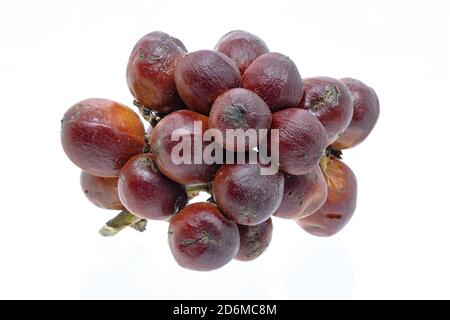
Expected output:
(239, 85)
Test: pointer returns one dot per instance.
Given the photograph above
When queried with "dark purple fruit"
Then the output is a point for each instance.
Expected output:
(202, 76)
(241, 46)
(146, 192)
(254, 240)
(275, 78)
(150, 71)
(201, 238)
(101, 191)
(246, 196)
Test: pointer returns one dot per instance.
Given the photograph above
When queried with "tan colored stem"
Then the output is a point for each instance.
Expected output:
(124, 219)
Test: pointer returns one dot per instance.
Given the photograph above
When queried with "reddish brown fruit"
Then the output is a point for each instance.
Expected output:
(340, 204)
(366, 110)
(302, 140)
(101, 191)
(202, 76)
(150, 71)
(254, 240)
(201, 238)
(240, 109)
(162, 146)
(330, 101)
(303, 195)
(241, 46)
(146, 192)
(275, 78)
(246, 196)
(100, 135)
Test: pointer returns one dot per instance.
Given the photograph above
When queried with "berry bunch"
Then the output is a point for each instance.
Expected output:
(239, 86)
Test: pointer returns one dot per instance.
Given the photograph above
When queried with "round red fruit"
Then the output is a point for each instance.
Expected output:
(202, 76)
(340, 204)
(254, 240)
(275, 78)
(366, 110)
(245, 195)
(330, 101)
(239, 110)
(241, 46)
(101, 191)
(100, 135)
(146, 192)
(201, 238)
(150, 71)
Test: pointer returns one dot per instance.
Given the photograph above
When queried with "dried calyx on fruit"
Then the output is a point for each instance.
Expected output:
(275, 145)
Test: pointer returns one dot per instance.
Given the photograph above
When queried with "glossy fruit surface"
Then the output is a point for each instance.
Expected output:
(302, 140)
(254, 240)
(146, 192)
(201, 238)
(150, 71)
(101, 191)
(330, 101)
(340, 204)
(366, 110)
(162, 146)
(241, 46)
(303, 194)
(240, 109)
(100, 135)
(202, 76)
(246, 196)
(275, 78)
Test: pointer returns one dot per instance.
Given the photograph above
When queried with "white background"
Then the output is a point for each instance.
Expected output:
(55, 53)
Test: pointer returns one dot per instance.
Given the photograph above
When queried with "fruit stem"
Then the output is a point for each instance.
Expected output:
(124, 219)
(194, 190)
(151, 116)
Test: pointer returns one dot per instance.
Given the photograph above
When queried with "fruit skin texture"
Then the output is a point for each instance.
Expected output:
(101, 191)
(246, 196)
(100, 135)
(366, 110)
(239, 109)
(340, 204)
(202, 76)
(302, 140)
(150, 71)
(241, 46)
(162, 146)
(275, 78)
(201, 238)
(330, 101)
(303, 194)
(146, 192)
(254, 240)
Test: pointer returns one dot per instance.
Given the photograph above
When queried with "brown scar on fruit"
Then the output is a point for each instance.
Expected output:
(330, 96)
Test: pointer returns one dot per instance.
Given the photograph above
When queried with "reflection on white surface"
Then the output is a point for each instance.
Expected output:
(319, 268)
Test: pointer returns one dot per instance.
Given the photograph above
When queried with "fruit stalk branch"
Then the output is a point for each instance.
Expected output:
(152, 117)
(124, 219)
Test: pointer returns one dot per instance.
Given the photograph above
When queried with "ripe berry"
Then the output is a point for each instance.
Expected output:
(330, 101)
(340, 204)
(366, 109)
(202, 76)
(162, 146)
(303, 194)
(302, 140)
(275, 78)
(254, 240)
(150, 71)
(101, 191)
(241, 46)
(246, 196)
(100, 135)
(201, 238)
(146, 192)
(240, 109)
